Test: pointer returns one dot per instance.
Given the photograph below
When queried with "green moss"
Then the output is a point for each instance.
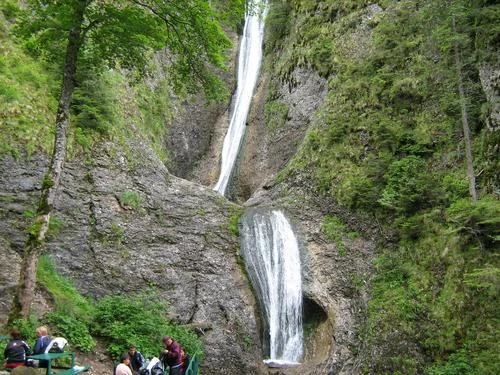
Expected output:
(275, 113)
(47, 181)
(232, 225)
(130, 199)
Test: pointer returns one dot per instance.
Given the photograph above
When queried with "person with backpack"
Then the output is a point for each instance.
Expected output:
(172, 355)
(16, 351)
(41, 343)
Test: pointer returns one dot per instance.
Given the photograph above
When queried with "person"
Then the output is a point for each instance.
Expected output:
(16, 351)
(185, 361)
(41, 343)
(172, 355)
(124, 367)
(136, 359)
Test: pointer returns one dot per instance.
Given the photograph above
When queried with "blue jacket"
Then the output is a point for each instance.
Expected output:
(41, 344)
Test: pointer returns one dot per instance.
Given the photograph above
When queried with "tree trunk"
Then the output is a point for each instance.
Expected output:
(37, 232)
(465, 122)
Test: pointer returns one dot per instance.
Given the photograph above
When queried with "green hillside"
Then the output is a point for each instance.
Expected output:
(388, 143)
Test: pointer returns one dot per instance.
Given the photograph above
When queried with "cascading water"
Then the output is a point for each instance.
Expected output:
(249, 61)
(271, 254)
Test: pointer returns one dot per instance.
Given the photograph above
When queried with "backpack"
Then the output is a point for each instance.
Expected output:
(157, 370)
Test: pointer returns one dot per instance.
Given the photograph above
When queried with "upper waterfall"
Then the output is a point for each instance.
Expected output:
(249, 61)
(271, 253)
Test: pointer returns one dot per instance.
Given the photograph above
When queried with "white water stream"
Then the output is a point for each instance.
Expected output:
(271, 254)
(249, 61)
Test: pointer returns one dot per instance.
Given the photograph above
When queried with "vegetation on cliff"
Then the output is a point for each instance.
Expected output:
(106, 66)
(388, 143)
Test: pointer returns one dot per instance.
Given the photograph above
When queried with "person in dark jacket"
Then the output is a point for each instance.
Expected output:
(136, 359)
(16, 351)
(41, 343)
(172, 355)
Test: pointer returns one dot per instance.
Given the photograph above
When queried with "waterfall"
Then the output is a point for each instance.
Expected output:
(249, 61)
(271, 253)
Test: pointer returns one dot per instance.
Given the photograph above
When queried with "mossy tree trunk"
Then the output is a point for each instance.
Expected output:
(38, 230)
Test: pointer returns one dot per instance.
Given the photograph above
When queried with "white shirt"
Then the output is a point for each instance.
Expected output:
(123, 369)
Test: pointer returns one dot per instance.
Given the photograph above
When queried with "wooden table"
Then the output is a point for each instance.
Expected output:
(49, 357)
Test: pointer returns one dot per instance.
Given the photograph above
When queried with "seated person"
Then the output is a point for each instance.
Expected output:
(136, 359)
(41, 343)
(124, 367)
(16, 351)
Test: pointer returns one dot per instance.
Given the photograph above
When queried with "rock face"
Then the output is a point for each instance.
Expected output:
(335, 278)
(197, 131)
(490, 81)
(130, 226)
(265, 152)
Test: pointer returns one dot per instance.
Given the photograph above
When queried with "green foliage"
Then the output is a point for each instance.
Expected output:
(93, 104)
(55, 226)
(26, 95)
(27, 327)
(47, 181)
(275, 114)
(230, 12)
(130, 199)
(479, 221)
(129, 32)
(234, 219)
(66, 297)
(119, 320)
(277, 26)
(387, 142)
(116, 233)
(140, 320)
(73, 329)
(458, 363)
(407, 185)
(118, 106)
(335, 231)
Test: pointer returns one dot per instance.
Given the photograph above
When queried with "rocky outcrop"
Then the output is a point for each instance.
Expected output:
(335, 277)
(198, 129)
(266, 151)
(490, 81)
(131, 226)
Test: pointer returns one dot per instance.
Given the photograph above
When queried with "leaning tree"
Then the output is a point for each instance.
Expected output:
(69, 33)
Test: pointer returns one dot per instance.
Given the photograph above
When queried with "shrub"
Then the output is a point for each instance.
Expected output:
(407, 185)
(478, 221)
(73, 329)
(140, 320)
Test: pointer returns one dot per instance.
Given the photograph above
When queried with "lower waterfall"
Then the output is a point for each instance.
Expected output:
(271, 253)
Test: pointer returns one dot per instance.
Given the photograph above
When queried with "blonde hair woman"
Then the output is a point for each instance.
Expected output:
(41, 343)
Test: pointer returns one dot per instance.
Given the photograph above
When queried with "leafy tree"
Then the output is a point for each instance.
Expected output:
(75, 34)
